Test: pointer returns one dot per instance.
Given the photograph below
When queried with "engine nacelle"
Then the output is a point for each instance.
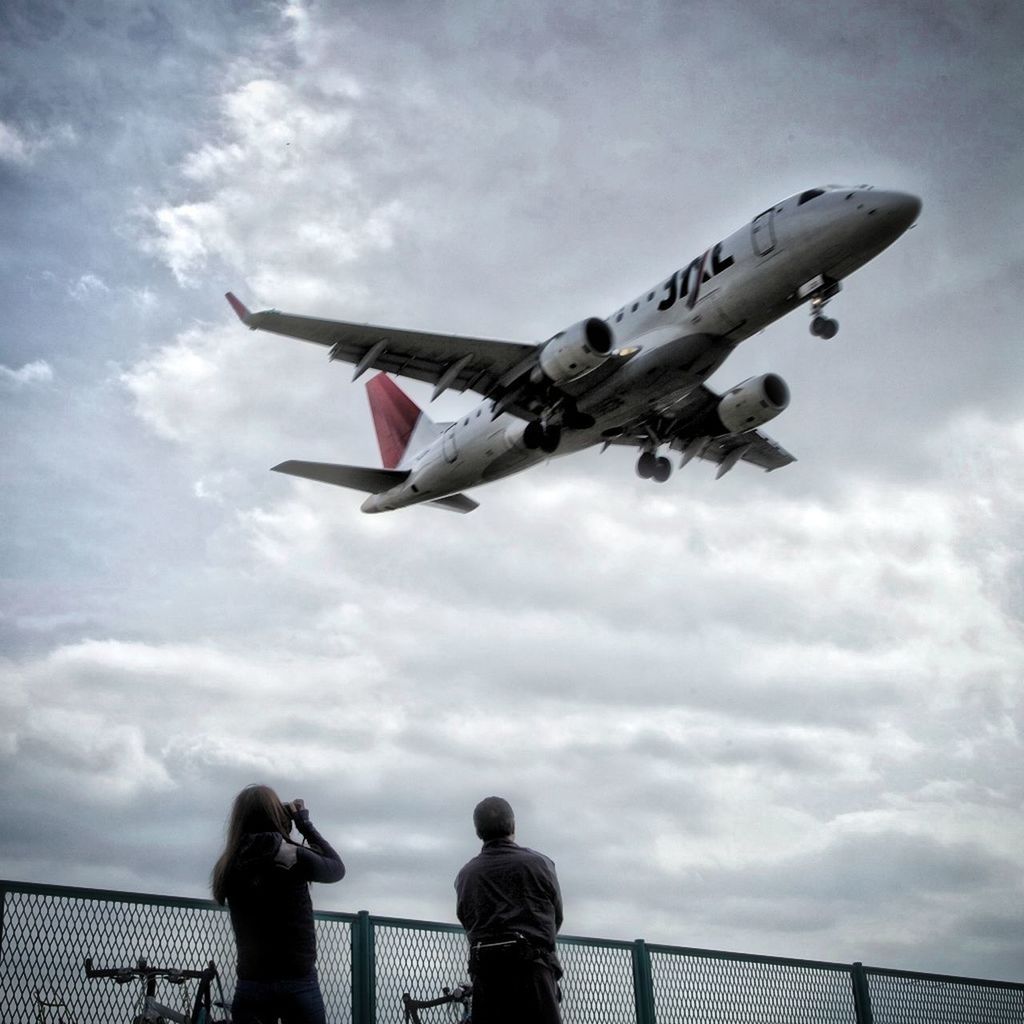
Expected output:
(576, 350)
(753, 403)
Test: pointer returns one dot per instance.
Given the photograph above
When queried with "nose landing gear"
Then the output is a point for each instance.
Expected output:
(824, 327)
(820, 291)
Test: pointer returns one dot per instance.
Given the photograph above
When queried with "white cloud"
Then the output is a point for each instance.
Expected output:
(144, 298)
(179, 392)
(88, 286)
(186, 236)
(276, 137)
(38, 371)
(240, 402)
(14, 148)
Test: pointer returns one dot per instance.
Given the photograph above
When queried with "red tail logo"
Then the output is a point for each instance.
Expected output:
(395, 416)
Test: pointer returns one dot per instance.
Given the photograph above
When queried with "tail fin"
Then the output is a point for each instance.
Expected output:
(398, 420)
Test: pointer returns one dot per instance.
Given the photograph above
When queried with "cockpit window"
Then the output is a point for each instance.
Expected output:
(810, 194)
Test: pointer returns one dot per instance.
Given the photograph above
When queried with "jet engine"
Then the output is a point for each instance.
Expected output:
(575, 351)
(753, 403)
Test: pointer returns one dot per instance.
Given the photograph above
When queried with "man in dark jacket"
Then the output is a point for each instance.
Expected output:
(509, 902)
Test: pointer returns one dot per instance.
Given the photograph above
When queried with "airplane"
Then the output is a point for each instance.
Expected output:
(634, 378)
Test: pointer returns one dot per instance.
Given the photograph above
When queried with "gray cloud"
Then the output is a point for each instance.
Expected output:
(774, 713)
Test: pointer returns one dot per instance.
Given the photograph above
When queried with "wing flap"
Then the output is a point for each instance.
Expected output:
(754, 447)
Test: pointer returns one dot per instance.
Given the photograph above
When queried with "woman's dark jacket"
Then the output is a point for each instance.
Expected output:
(267, 889)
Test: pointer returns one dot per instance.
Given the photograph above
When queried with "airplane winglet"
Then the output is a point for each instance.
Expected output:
(238, 307)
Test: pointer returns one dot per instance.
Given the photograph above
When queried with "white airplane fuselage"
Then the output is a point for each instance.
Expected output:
(671, 338)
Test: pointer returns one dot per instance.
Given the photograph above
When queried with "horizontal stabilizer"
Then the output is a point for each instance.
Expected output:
(359, 478)
(456, 503)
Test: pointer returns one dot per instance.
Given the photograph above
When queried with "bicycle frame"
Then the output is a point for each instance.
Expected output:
(154, 1011)
(43, 1005)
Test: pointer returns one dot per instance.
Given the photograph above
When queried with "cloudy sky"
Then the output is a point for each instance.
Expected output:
(777, 713)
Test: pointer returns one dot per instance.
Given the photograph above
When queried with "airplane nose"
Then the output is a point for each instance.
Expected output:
(900, 209)
(886, 215)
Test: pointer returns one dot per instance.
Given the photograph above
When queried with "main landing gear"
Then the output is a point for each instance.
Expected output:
(545, 432)
(820, 290)
(545, 436)
(653, 467)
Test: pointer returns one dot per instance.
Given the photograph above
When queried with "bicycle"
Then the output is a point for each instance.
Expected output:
(460, 996)
(43, 1005)
(153, 1011)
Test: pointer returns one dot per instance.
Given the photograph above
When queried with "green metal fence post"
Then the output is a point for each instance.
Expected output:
(364, 1008)
(643, 985)
(861, 995)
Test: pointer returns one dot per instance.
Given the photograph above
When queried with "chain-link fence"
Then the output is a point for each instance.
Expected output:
(903, 997)
(700, 987)
(49, 931)
(366, 963)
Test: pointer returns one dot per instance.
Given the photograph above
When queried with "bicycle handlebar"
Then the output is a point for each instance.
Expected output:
(122, 975)
(459, 995)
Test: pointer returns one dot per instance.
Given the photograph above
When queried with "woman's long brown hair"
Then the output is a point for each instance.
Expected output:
(256, 809)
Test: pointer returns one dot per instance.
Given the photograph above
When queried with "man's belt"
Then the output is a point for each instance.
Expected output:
(502, 949)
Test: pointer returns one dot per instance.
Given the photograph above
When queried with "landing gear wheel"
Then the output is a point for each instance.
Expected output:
(533, 435)
(824, 327)
(552, 437)
(645, 465)
(662, 469)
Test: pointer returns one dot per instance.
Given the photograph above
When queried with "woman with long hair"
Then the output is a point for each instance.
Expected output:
(263, 875)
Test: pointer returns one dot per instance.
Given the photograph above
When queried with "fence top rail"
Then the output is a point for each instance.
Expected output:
(721, 954)
(585, 940)
(74, 892)
(408, 924)
(946, 979)
(108, 895)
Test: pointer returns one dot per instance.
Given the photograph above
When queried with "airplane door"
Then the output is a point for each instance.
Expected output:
(764, 232)
(450, 451)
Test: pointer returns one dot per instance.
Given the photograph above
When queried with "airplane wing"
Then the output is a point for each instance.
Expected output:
(444, 360)
(678, 428)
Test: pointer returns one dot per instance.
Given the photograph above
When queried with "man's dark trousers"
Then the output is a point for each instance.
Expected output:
(515, 993)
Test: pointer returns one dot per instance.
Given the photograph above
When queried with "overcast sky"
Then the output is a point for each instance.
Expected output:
(777, 713)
